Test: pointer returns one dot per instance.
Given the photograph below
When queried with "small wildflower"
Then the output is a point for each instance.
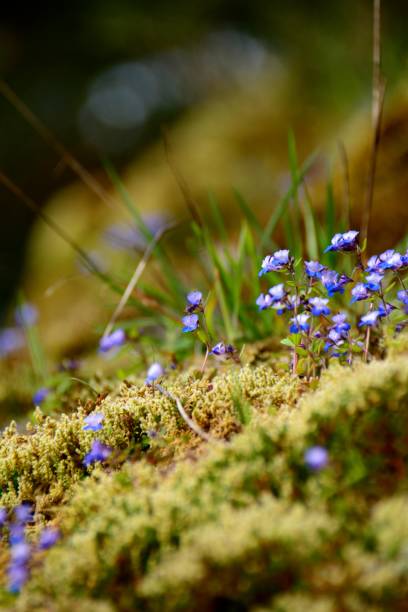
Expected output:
(277, 292)
(390, 260)
(319, 306)
(116, 339)
(48, 538)
(403, 296)
(11, 340)
(40, 395)
(17, 533)
(94, 422)
(98, 452)
(299, 323)
(370, 319)
(26, 315)
(24, 513)
(20, 553)
(384, 311)
(316, 458)
(314, 269)
(222, 349)
(359, 292)
(3, 516)
(344, 242)
(17, 577)
(373, 281)
(264, 301)
(154, 372)
(340, 323)
(278, 261)
(190, 322)
(333, 282)
(194, 298)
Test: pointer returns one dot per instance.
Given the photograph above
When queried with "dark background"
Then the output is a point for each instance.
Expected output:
(51, 52)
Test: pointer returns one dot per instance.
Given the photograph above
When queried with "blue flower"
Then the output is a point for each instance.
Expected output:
(3, 516)
(24, 513)
(299, 323)
(316, 458)
(17, 577)
(373, 281)
(373, 264)
(11, 340)
(277, 292)
(390, 260)
(222, 349)
(48, 538)
(385, 310)
(98, 452)
(314, 269)
(194, 298)
(94, 422)
(359, 292)
(264, 301)
(403, 296)
(340, 323)
(40, 395)
(190, 322)
(20, 553)
(17, 533)
(333, 282)
(344, 242)
(278, 261)
(115, 339)
(319, 306)
(26, 315)
(370, 319)
(154, 372)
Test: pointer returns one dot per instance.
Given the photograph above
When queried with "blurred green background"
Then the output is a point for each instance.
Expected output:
(106, 75)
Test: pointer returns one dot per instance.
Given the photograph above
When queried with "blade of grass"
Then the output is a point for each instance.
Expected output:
(249, 215)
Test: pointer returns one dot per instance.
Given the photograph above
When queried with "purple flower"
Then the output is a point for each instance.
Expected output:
(299, 323)
(24, 513)
(190, 322)
(373, 281)
(333, 282)
(194, 298)
(154, 372)
(344, 242)
(278, 261)
(98, 452)
(222, 349)
(373, 264)
(94, 422)
(319, 306)
(26, 315)
(20, 553)
(314, 269)
(17, 577)
(370, 319)
(264, 301)
(115, 339)
(277, 292)
(316, 458)
(40, 395)
(11, 340)
(359, 292)
(48, 538)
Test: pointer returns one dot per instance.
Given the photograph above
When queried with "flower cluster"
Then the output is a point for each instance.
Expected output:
(99, 451)
(319, 325)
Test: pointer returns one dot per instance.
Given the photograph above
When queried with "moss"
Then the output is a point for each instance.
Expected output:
(243, 524)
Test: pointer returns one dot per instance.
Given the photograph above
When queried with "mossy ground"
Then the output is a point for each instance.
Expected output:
(175, 523)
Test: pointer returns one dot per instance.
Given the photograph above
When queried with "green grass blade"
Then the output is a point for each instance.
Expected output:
(249, 215)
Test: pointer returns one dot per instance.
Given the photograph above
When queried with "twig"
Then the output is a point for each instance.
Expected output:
(192, 425)
(135, 277)
(377, 110)
(86, 177)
